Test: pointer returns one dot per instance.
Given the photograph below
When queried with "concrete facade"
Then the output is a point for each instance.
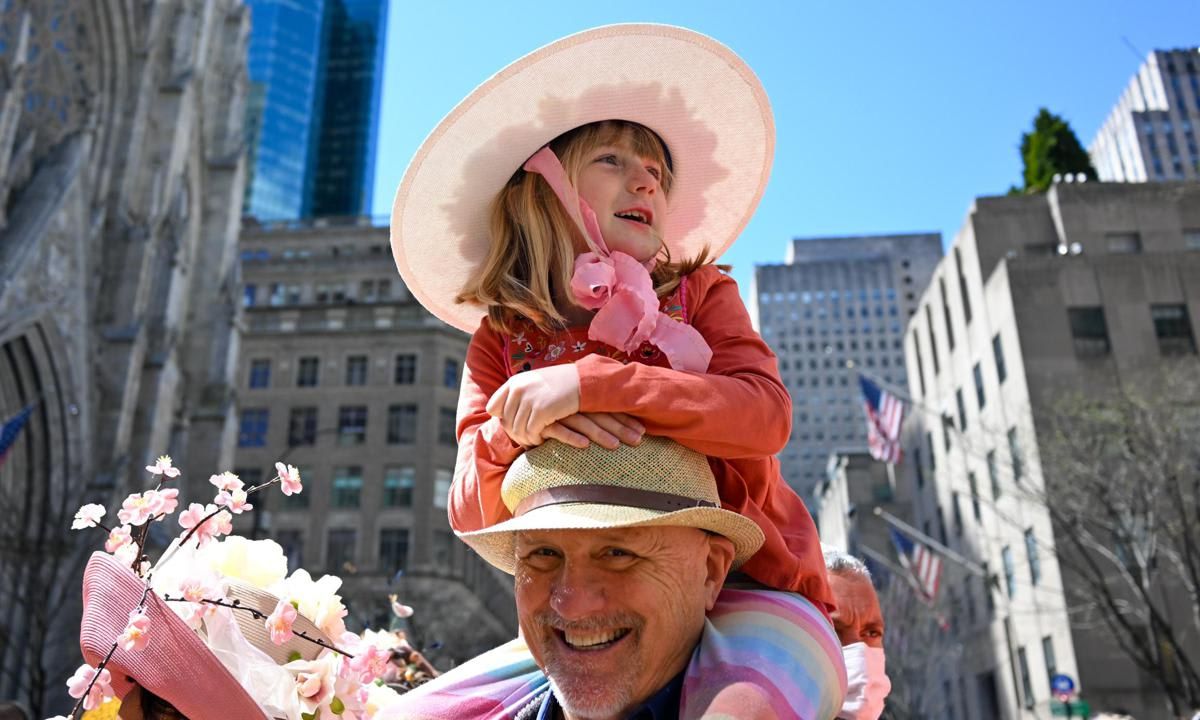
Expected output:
(994, 354)
(344, 375)
(121, 179)
(1151, 133)
(836, 301)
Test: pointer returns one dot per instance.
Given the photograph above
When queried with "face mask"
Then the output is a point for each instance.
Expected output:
(867, 682)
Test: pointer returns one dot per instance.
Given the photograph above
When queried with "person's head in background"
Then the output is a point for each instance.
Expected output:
(858, 621)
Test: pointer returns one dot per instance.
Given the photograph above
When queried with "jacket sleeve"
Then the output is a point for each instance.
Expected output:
(738, 408)
(485, 450)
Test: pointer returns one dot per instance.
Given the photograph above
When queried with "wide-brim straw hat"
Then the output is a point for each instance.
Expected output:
(701, 98)
(175, 664)
(657, 483)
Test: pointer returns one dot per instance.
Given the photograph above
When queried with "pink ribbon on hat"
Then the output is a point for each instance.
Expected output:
(617, 286)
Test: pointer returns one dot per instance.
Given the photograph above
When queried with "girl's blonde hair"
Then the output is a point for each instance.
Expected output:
(532, 253)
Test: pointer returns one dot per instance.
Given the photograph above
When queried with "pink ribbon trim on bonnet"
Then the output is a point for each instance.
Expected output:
(617, 286)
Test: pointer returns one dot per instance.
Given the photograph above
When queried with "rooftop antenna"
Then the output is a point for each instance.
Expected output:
(1133, 49)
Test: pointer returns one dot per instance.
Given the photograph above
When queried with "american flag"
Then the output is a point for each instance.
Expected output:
(884, 412)
(921, 562)
(11, 429)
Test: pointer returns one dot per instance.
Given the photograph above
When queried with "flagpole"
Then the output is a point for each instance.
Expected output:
(896, 522)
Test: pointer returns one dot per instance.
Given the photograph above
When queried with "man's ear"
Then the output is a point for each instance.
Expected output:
(720, 559)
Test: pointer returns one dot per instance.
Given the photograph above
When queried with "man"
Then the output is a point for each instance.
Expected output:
(858, 622)
(617, 556)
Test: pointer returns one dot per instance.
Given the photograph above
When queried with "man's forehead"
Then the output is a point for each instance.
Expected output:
(598, 536)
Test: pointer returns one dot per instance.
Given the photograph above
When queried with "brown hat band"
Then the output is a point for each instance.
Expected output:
(609, 495)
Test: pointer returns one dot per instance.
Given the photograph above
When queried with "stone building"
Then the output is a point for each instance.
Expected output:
(1085, 288)
(833, 302)
(121, 180)
(344, 375)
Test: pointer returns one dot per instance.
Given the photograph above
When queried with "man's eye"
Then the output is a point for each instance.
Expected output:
(544, 552)
(620, 553)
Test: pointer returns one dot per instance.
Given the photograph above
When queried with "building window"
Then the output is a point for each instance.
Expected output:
(406, 369)
(974, 485)
(339, 553)
(989, 601)
(1048, 656)
(292, 542)
(1026, 685)
(932, 454)
(393, 550)
(946, 313)
(933, 351)
(347, 486)
(993, 474)
(962, 286)
(441, 488)
(450, 374)
(956, 511)
(1010, 573)
(920, 361)
(260, 373)
(446, 430)
(352, 425)
(302, 426)
(356, 370)
(1173, 329)
(1035, 565)
(398, 483)
(1123, 242)
(402, 424)
(918, 467)
(1014, 450)
(998, 354)
(962, 409)
(443, 548)
(980, 398)
(253, 429)
(1191, 238)
(1089, 333)
(249, 293)
(307, 372)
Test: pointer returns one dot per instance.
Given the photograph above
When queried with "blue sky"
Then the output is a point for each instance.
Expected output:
(890, 116)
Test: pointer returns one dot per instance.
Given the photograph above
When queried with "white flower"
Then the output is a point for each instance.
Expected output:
(260, 563)
(318, 601)
(163, 467)
(378, 697)
(226, 481)
(88, 516)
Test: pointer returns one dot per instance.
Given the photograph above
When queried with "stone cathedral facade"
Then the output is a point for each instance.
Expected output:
(121, 182)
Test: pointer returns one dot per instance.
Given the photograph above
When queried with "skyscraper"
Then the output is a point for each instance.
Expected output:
(833, 302)
(316, 71)
(1150, 134)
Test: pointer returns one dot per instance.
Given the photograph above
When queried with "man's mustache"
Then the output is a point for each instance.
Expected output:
(550, 620)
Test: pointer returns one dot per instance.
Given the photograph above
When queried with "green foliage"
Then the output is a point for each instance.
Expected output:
(1051, 148)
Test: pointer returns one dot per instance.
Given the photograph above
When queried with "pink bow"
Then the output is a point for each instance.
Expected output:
(618, 287)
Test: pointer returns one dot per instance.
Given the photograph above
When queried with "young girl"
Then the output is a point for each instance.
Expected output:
(602, 327)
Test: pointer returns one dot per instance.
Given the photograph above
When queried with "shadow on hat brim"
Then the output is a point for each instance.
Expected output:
(175, 665)
(497, 544)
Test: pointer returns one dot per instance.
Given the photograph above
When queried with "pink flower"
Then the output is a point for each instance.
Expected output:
(370, 662)
(139, 507)
(168, 501)
(235, 501)
(214, 527)
(118, 538)
(126, 554)
(279, 622)
(289, 478)
(100, 690)
(136, 633)
(401, 611)
(163, 467)
(314, 680)
(88, 516)
(226, 481)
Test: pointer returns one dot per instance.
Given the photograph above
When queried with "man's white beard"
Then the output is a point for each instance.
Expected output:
(594, 702)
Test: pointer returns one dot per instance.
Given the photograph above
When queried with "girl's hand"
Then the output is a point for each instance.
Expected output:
(607, 429)
(530, 402)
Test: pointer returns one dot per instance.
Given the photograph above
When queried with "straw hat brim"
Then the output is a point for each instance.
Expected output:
(695, 93)
(175, 664)
(497, 544)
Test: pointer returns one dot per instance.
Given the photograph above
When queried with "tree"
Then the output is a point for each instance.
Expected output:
(1122, 483)
(1050, 149)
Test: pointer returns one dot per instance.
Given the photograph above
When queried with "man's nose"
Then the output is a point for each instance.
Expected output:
(577, 593)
